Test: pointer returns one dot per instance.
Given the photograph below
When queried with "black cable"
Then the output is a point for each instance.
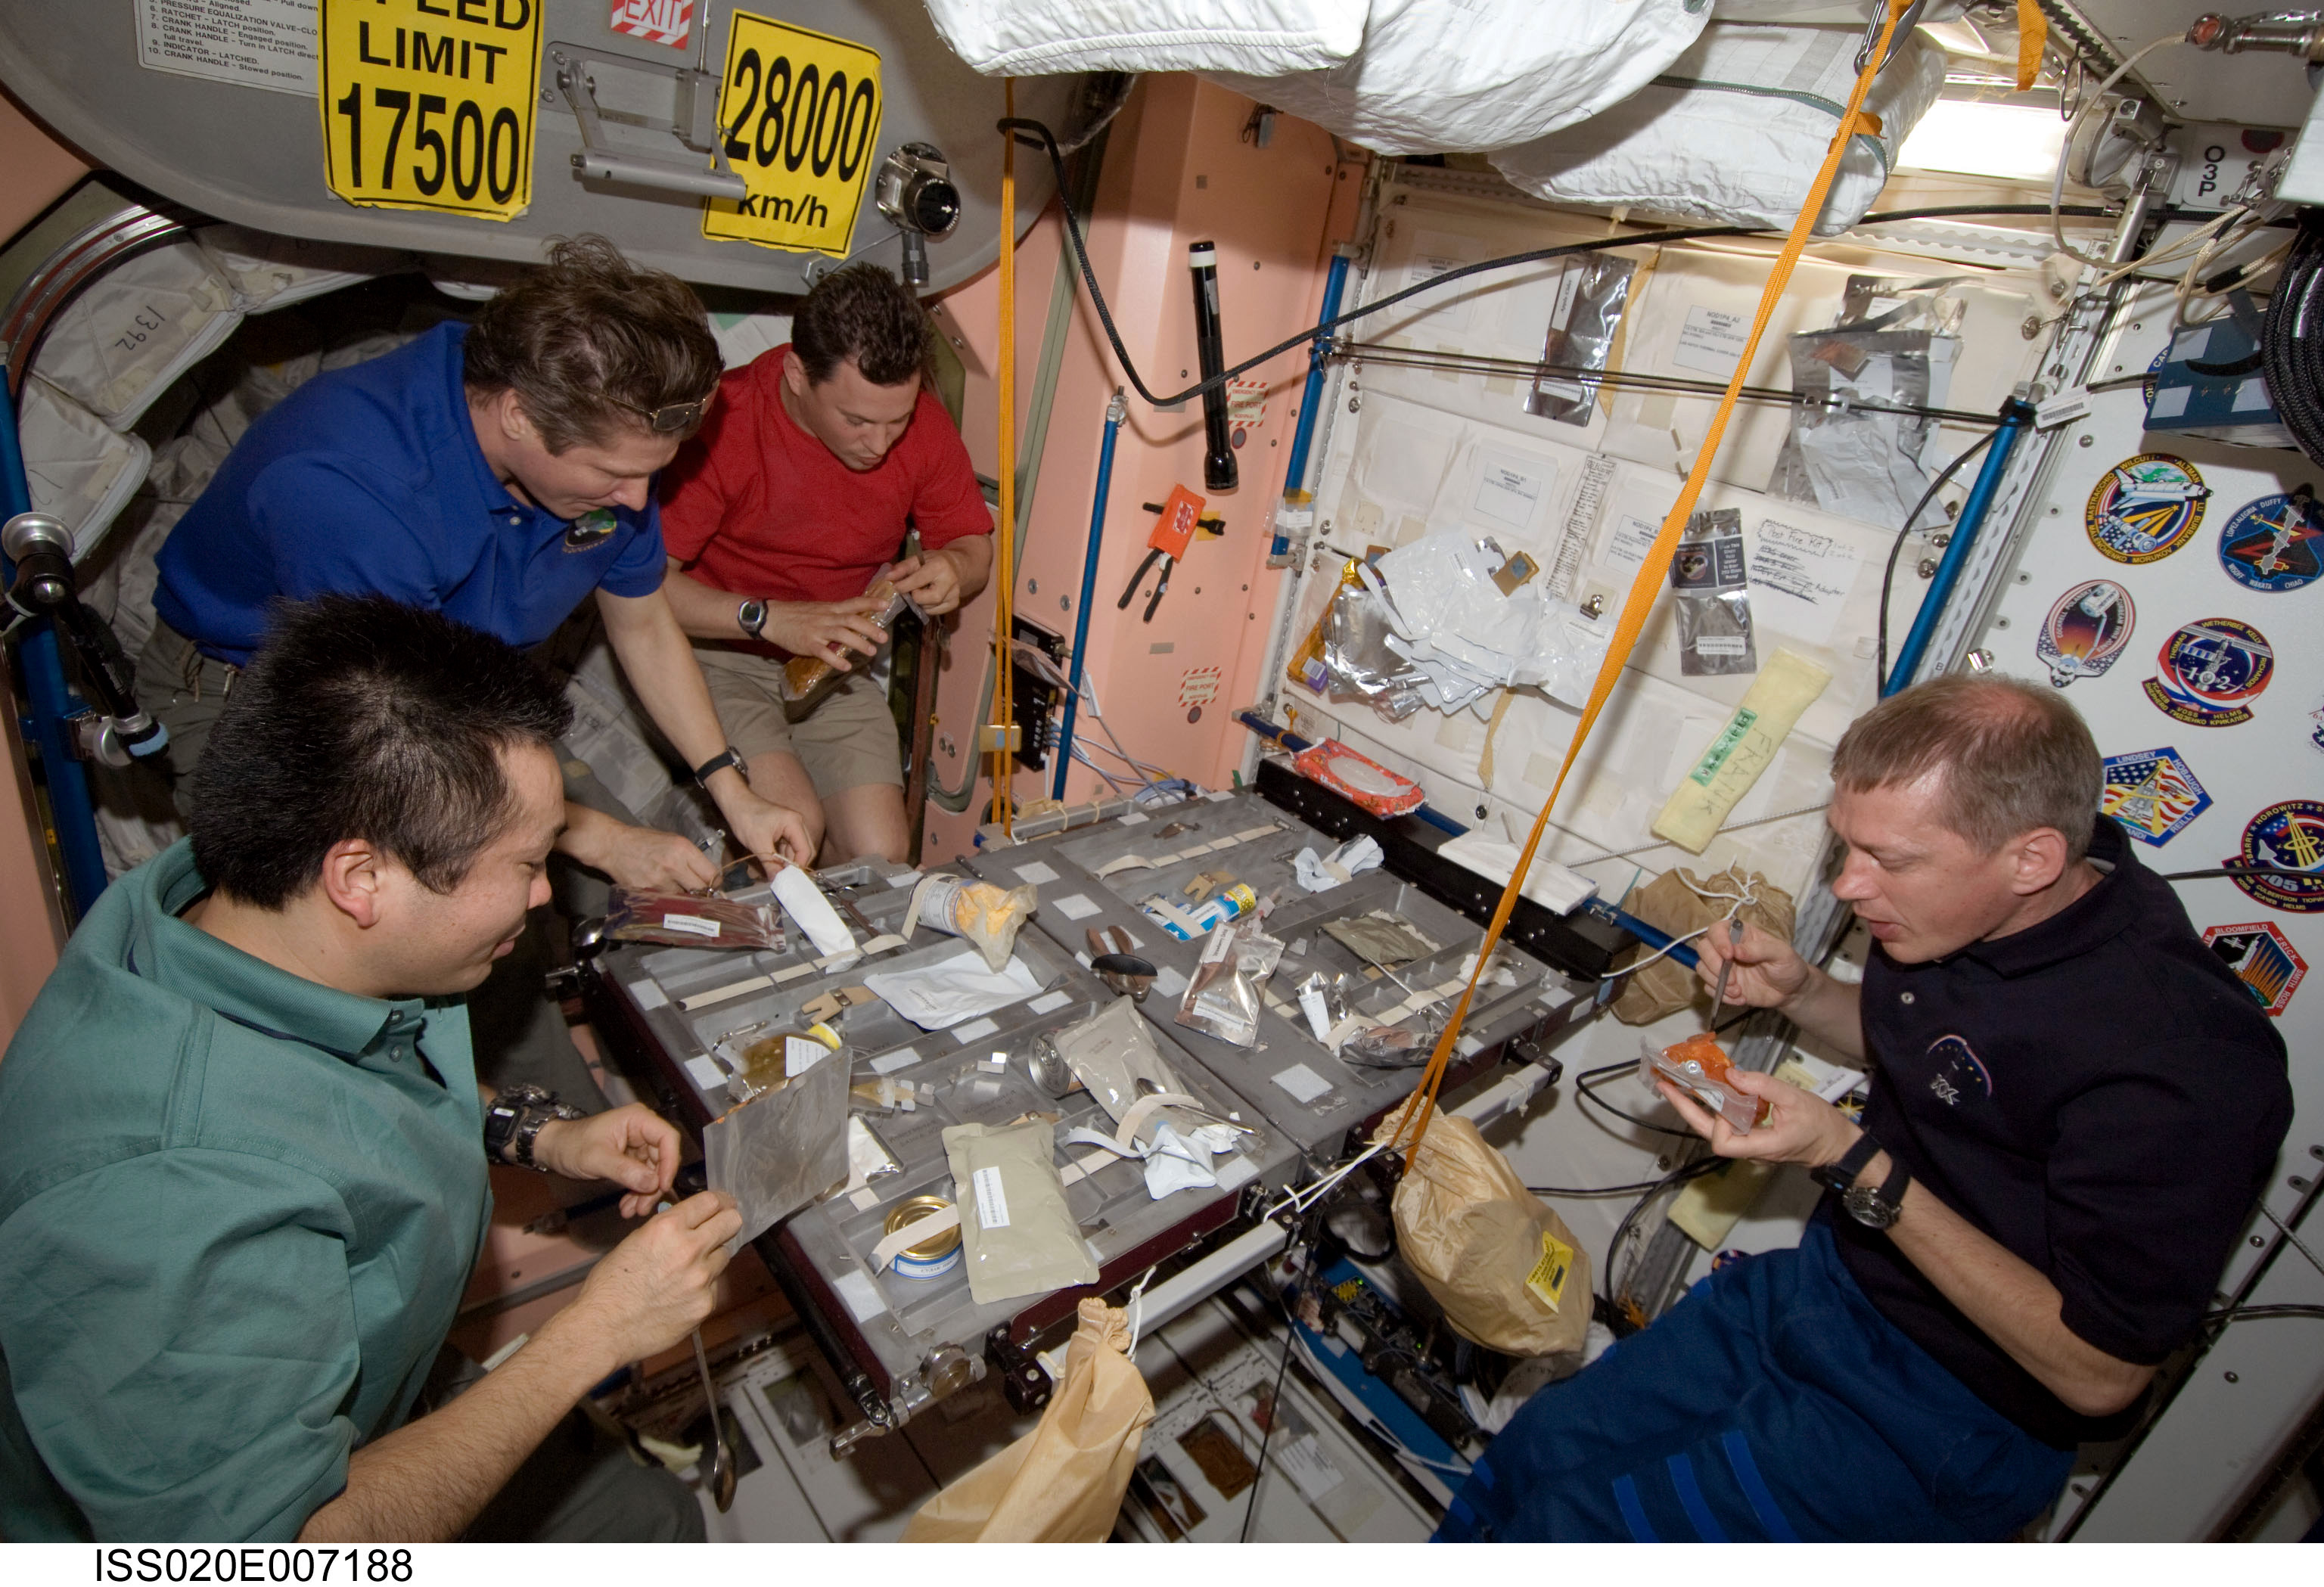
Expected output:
(2291, 346)
(1041, 137)
(2238, 1314)
(2234, 870)
(1693, 1170)
(1274, 1404)
(1888, 576)
(1582, 1089)
(1622, 1231)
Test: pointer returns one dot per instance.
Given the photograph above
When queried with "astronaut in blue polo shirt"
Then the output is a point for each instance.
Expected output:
(498, 473)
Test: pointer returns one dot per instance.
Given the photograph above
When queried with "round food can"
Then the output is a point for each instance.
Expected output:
(933, 1256)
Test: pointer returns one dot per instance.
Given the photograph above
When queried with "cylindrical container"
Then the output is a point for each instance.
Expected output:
(933, 1256)
(1219, 472)
(1213, 911)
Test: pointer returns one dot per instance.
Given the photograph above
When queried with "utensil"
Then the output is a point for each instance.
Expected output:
(721, 1462)
(1147, 1087)
(1725, 964)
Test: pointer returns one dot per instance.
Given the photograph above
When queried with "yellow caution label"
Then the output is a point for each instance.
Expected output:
(800, 113)
(429, 103)
(1547, 1279)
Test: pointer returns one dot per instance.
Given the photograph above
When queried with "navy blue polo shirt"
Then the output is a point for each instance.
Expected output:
(369, 481)
(2099, 1094)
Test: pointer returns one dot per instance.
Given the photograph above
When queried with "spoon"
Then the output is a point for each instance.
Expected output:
(722, 1463)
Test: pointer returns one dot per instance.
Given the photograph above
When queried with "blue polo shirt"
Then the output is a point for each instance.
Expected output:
(368, 481)
(237, 1211)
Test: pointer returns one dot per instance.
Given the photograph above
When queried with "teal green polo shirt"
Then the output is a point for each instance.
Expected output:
(237, 1211)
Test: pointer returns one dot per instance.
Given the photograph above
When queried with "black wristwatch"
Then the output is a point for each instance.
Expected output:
(750, 617)
(1874, 1206)
(729, 756)
(513, 1122)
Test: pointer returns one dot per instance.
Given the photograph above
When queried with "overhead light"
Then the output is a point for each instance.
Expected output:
(2019, 143)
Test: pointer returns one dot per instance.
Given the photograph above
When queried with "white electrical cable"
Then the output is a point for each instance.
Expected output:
(1741, 900)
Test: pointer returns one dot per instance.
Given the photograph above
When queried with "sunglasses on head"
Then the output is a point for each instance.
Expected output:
(670, 417)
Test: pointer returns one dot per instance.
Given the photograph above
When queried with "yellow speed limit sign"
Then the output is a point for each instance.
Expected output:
(800, 115)
(429, 104)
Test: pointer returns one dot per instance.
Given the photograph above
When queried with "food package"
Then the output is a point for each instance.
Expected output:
(1222, 1000)
(796, 891)
(1369, 784)
(1711, 589)
(1063, 1481)
(1672, 903)
(1110, 1053)
(1020, 1238)
(1405, 1044)
(686, 920)
(1698, 1066)
(1306, 666)
(807, 679)
(1504, 1267)
(986, 914)
(1195, 921)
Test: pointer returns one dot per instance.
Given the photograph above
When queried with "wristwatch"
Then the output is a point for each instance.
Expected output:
(1874, 1206)
(750, 617)
(729, 756)
(513, 1123)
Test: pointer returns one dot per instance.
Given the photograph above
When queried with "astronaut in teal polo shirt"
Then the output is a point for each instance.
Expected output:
(242, 1147)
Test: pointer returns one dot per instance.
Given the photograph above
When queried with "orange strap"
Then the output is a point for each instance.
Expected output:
(1649, 581)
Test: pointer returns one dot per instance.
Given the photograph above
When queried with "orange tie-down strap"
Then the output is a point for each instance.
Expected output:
(1414, 1120)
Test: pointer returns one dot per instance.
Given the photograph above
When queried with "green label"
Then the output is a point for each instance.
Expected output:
(1723, 746)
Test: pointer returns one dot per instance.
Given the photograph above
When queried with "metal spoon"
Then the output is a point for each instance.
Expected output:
(1147, 1086)
(1725, 964)
(721, 1462)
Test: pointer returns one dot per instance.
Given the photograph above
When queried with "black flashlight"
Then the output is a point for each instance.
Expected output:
(1218, 456)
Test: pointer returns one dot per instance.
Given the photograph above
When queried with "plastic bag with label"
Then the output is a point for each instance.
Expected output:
(1222, 1000)
(1020, 1237)
(1712, 593)
(685, 920)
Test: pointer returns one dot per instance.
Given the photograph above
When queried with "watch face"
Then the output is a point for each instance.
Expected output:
(1864, 1204)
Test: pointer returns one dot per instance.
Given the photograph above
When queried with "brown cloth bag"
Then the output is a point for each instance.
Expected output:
(1063, 1481)
(1475, 1235)
(1667, 904)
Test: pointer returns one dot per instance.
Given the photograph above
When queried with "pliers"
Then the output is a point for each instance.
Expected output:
(1161, 588)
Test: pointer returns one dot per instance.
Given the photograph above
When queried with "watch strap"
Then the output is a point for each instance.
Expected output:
(729, 756)
(1838, 1176)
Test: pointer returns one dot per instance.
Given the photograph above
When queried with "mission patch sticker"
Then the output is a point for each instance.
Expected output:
(2286, 838)
(2276, 543)
(2209, 671)
(2145, 507)
(2153, 793)
(2085, 629)
(2263, 959)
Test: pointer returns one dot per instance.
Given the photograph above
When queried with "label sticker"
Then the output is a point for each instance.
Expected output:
(800, 113)
(1198, 685)
(658, 22)
(800, 1054)
(2088, 627)
(1035, 873)
(2145, 507)
(1075, 906)
(257, 43)
(692, 925)
(2263, 959)
(903, 1057)
(1630, 540)
(1048, 1002)
(431, 107)
(1707, 768)
(1170, 983)
(1798, 579)
(861, 1294)
(1713, 340)
(1311, 1468)
(1303, 1083)
(648, 995)
(2153, 793)
(976, 1031)
(2276, 543)
(992, 1205)
(1236, 1172)
(2209, 671)
(1548, 1277)
(1133, 818)
(2290, 836)
(704, 1072)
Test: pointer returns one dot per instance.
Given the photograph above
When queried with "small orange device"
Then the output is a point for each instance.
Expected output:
(1173, 533)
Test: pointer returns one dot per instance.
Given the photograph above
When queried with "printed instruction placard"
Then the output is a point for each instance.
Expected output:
(253, 44)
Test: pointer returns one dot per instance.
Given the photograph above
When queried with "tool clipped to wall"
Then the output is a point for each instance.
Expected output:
(1173, 533)
(1219, 472)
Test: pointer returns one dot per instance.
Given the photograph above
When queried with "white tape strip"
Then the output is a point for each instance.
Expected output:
(912, 1233)
(719, 994)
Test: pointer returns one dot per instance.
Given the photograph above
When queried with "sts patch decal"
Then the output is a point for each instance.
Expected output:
(2275, 543)
(2209, 671)
(2288, 837)
(2145, 507)
(2153, 793)
(2262, 957)
(2085, 629)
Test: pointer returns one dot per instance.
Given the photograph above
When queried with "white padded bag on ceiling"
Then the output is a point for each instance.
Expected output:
(1445, 75)
(1023, 38)
(1735, 130)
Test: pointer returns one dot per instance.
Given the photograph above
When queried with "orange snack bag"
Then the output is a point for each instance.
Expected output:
(1699, 1066)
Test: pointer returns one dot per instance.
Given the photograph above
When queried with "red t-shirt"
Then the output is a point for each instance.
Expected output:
(756, 506)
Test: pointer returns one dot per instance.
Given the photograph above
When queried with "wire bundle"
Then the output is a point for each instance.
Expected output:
(2291, 354)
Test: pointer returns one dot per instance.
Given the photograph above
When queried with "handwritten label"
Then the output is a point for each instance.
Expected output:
(1798, 579)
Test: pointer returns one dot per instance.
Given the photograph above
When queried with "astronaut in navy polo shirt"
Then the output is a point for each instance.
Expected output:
(501, 474)
(2074, 1107)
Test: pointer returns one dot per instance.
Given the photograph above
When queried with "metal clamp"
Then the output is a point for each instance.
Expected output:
(693, 123)
(1023, 1378)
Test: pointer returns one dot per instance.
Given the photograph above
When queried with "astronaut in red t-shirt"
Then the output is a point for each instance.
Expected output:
(791, 502)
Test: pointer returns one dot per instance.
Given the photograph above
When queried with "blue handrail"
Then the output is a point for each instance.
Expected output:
(1116, 411)
(2016, 416)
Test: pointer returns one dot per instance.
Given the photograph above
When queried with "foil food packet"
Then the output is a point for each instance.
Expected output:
(1222, 1000)
(1713, 596)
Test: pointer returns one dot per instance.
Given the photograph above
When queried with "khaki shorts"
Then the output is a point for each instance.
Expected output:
(846, 740)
